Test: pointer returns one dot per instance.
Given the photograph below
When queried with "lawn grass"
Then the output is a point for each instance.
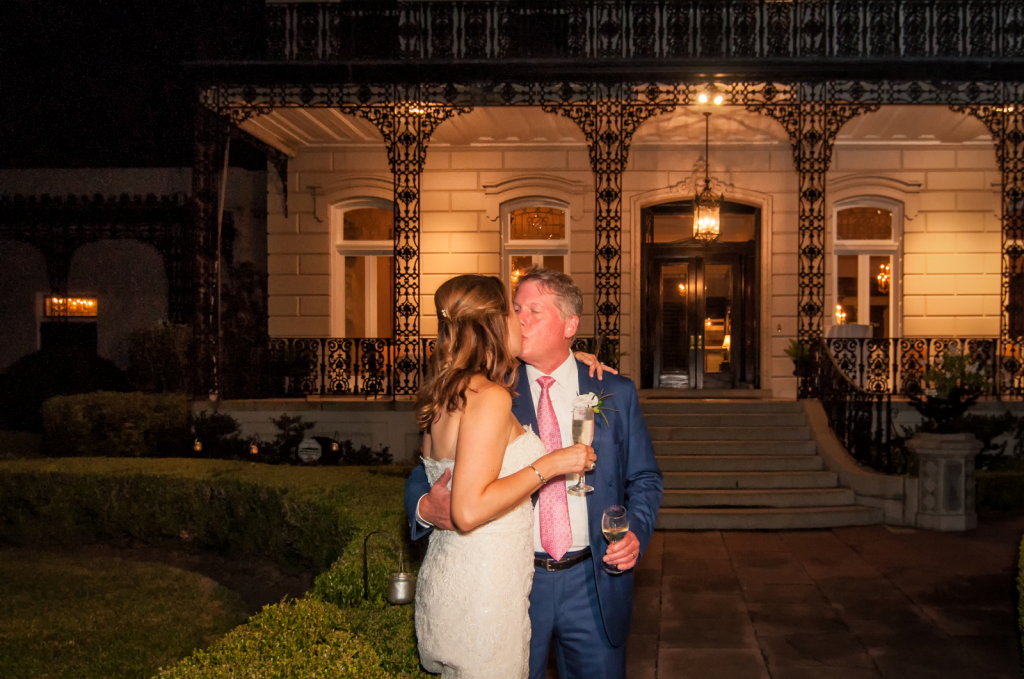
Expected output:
(69, 615)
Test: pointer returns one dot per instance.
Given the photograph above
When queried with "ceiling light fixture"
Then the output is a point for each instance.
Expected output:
(706, 205)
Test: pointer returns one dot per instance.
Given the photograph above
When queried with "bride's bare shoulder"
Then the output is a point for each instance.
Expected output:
(483, 393)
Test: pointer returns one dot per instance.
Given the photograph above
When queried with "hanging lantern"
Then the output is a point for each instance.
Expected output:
(706, 205)
(883, 278)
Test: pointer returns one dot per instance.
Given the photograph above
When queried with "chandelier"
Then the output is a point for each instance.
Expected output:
(883, 278)
(706, 205)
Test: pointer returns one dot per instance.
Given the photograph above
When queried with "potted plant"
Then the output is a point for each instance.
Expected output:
(803, 358)
(948, 390)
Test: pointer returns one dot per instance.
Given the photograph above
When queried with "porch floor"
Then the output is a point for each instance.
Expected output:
(847, 603)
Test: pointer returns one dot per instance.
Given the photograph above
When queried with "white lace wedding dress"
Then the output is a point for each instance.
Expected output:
(473, 589)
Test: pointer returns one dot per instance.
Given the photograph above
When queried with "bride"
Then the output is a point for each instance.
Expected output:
(473, 595)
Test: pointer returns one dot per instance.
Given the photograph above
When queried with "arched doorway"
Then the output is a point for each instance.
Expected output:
(701, 303)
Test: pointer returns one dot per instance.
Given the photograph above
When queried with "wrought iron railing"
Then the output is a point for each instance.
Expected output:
(331, 366)
(894, 365)
(805, 30)
(862, 420)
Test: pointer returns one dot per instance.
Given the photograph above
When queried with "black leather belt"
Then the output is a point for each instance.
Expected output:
(563, 563)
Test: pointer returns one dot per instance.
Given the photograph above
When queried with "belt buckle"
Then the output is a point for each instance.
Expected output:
(549, 565)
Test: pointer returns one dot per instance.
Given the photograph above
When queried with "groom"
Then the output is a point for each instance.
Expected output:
(574, 601)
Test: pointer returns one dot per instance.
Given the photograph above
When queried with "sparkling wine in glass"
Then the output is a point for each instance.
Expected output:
(614, 525)
(582, 432)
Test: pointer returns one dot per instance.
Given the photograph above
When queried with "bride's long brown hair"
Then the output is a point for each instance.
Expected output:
(472, 339)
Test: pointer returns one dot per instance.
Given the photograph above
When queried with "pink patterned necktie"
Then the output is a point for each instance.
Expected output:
(555, 532)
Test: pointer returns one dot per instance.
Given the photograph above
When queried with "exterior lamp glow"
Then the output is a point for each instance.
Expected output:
(706, 205)
(840, 314)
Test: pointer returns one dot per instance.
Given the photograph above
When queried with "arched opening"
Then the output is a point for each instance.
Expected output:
(701, 302)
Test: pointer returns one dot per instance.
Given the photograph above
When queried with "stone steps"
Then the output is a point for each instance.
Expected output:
(744, 464)
(781, 498)
(759, 420)
(735, 433)
(801, 518)
(765, 448)
(723, 480)
(739, 463)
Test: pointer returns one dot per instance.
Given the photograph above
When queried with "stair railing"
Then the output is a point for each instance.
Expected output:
(862, 420)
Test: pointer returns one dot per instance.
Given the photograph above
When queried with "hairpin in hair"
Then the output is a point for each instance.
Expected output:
(444, 312)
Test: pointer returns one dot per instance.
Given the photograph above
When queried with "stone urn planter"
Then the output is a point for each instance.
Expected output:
(945, 480)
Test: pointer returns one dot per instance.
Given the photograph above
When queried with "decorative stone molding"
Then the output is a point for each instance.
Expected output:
(863, 186)
(570, 192)
(946, 480)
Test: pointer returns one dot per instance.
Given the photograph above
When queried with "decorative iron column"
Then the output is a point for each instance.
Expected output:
(608, 117)
(406, 126)
(1006, 123)
(812, 118)
(211, 133)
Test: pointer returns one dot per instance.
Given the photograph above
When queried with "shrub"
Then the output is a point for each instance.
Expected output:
(301, 639)
(219, 435)
(160, 358)
(116, 425)
(999, 491)
(297, 516)
(32, 379)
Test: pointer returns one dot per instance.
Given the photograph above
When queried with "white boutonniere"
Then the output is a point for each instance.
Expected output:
(595, 402)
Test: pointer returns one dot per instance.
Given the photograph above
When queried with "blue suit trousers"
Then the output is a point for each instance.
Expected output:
(564, 608)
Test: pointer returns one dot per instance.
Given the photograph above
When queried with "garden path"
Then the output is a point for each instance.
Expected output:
(848, 603)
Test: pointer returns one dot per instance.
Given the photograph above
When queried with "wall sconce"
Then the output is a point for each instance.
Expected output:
(883, 278)
(401, 585)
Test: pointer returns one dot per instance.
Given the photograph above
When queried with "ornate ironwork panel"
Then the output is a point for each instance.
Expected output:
(406, 126)
(812, 121)
(1006, 123)
(608, 120)
(804, 30)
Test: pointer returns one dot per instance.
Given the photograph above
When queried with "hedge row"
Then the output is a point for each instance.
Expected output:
(311, 517)
(999, 491)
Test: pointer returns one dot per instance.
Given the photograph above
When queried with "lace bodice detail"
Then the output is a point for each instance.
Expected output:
(524, 450)
(473, 592)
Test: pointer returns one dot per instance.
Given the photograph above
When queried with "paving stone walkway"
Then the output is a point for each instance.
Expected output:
(847, 603)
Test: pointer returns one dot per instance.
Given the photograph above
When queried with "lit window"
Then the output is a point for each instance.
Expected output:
(866, 266)
(82, 307)
(364, 271)
(536, 235)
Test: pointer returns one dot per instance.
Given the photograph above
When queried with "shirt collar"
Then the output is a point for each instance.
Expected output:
(566, 375)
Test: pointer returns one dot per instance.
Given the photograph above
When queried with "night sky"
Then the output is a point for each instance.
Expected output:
(101, 83)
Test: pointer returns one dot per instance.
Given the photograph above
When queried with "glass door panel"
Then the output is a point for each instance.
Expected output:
(848, 287)
(880, 292)
(717, 331)
(676, 318)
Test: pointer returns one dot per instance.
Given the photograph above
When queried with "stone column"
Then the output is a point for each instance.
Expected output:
(945, 480)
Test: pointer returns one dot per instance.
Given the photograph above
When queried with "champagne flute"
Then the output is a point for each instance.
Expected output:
(582, 432)
(614, 525)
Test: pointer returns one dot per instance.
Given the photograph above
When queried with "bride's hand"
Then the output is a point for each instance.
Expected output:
(575, 459)
(595, 365)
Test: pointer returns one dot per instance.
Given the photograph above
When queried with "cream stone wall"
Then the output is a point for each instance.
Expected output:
(951, 231)
(950, 194)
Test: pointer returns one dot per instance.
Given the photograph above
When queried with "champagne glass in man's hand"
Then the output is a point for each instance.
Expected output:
(582, 432)
(614, 525)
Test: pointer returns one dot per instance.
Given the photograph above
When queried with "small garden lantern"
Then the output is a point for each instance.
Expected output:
(335, 446)
(197, 446)
(401, 585)
(254, 445)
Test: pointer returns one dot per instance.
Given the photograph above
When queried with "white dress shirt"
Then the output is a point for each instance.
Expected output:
(562, 393)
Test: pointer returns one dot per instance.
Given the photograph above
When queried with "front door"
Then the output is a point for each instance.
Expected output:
(700, 313)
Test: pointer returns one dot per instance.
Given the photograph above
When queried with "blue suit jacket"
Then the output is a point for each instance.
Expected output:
(626, 474)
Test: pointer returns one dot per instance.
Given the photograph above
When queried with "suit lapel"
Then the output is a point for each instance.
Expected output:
(522, 405)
